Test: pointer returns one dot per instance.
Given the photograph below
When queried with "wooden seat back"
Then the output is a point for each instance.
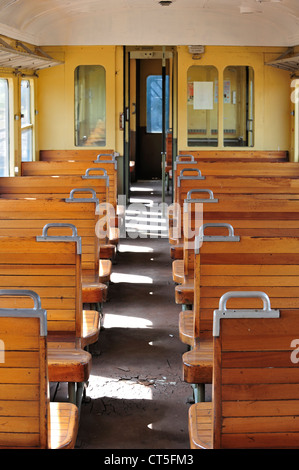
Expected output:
(27, 217)
(239, 155)
(233, 169)
(73, 154)
(247, 263)
(277, 215)
(252, 218)
(76, 168)
(56, 187)
(51, 268)
(255, 377)
(24, 391)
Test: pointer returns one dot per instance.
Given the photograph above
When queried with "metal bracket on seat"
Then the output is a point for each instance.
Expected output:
(223, 312)
(36, 311)
(60, 238)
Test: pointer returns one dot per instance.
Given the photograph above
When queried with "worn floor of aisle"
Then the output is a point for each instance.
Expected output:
(136, 398)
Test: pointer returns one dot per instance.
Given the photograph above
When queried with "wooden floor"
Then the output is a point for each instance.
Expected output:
(136, 398)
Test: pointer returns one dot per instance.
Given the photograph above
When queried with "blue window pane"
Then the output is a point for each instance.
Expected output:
(154, 103)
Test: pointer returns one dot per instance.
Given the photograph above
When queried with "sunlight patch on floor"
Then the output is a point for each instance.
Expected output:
(122, 248)
(125, 321)
(130, 278)
(125, 387)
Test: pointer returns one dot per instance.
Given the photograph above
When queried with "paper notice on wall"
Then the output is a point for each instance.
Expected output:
(203, 95)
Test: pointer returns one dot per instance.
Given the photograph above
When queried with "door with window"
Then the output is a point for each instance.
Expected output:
(149, 117)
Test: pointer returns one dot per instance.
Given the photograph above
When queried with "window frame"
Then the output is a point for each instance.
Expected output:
(29, 126)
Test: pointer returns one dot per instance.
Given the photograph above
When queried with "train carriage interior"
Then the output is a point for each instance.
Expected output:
(149, 164)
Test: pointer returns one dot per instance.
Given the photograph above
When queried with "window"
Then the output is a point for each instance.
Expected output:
(202, 105)
(238, 106)
(90, 105)
(26, 121)
(4, 128)
(154, 103)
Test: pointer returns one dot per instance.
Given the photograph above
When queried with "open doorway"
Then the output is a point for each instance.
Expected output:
(149, 90)
(149, 122)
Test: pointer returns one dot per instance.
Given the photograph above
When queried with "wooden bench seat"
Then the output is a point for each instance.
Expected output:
(57, 187)
(28, 419)
(255, 381)
(252, 263)
(233, 168)
(266, 218)
(22, 217)
(252, 156)
(275, 187)
(237, 155)
(86, 169)
(107, 158)
(52, 269)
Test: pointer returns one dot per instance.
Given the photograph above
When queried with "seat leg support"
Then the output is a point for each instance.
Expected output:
(199, 392)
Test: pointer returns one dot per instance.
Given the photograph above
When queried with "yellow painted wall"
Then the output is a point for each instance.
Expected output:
(55, 102)
(272, 93)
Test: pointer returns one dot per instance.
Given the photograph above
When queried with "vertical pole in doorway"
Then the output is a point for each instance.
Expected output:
(163, 153)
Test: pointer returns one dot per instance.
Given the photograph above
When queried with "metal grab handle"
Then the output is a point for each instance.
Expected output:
(201, 237)
(223, 312)
(23, 293)
(194, 191)
(198, 171)
(186, 162)
(98, 159)
(36, 311)
(61, 238)
(113, 159)
(59, 224)
(104, 176)
(190, 177)
(248, 294)
(178, 158)
(79, 190)
(230, 228)
(96, 169)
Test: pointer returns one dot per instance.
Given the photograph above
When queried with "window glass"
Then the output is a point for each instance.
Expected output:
(4, 128)
(90, 105)
(154, 103)
(26, 121)
(238, 106)
(202, 105)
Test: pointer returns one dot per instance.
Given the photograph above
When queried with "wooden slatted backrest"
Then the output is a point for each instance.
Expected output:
(239, 155)
(250, 263)
(258, 218)
(72, 154)
(241, 208)
(52, 269)
(75, 168)
(256, 379)
(276, 187)
(56, 187)
(235, 168)
(51, 186)
(27, 217)
(24, 391)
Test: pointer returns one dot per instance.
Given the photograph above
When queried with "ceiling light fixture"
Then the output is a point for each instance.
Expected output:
(165, 3)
